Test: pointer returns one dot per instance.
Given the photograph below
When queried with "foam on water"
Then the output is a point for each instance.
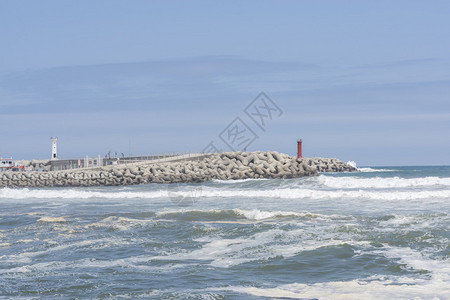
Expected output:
(415, 222)
(26, 256)
(439, 268)
(135, 263)
(280, 193)
(311, 188)
(371, 170)
(367, 170)
(299, 193)
(29, 256)
(119, 223)
(25, 193)
(389, 288)
(374, 287)
(228, 252)
(52, 219)
(253, 214)
(257, 214)
(340, 236)
(382, 183)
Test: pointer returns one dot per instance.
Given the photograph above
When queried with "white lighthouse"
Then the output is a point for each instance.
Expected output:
(54, 148)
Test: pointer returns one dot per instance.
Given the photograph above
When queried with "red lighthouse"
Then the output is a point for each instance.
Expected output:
(299, 148)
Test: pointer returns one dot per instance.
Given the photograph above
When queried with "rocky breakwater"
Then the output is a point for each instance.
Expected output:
(328, 165)
(224, 166)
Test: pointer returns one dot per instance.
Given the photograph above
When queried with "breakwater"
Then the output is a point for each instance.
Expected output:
(201, 168)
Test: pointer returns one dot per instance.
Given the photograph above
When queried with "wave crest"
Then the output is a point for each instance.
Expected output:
(276, 193)
(379, 182)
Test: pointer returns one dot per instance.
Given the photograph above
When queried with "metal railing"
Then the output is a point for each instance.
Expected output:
(96, 162)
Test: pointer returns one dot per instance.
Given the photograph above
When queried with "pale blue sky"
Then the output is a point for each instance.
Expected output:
(357, 80)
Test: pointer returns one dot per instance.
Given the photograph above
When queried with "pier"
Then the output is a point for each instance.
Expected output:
(191, 168)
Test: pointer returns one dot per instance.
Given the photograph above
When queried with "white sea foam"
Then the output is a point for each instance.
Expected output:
(250, 214)
(134, 262)
(224, 253)
(371, 170)
(311, 188)
(25, 193)
(379, 182)
(377, 287)
(27, 256)
(256, 214)
(298, 193)
(52, 219)
(439, 268)
(276, 193)
(423, 222)
(367, 170)
(399, 220)
(118, 223)
(387, 288)
(308, 193)
(352, 163)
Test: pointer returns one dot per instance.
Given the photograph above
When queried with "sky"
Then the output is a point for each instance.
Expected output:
(366, 81)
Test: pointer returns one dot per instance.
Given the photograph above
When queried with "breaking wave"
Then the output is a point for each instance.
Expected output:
(379, 182)
(249, 214)
(26, 193)
(353, 189)
(367, 170)
(434, 286)
(333, 236)
(371, 170)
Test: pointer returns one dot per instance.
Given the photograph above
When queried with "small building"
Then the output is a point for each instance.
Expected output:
(7, 164)
(54, 148)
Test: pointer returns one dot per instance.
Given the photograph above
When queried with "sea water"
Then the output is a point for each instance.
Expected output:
(381, 233)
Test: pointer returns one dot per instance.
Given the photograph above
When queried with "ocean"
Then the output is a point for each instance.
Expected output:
(382, 233)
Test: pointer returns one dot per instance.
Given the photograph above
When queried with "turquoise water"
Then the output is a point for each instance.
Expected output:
(377, 234)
